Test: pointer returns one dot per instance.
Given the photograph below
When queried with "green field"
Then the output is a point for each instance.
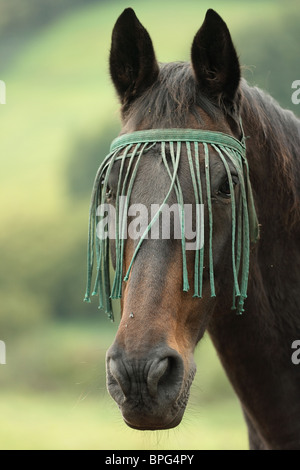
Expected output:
(54, 130)
(60, 422)
(57, 399)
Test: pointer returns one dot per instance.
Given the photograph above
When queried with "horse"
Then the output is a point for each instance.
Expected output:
(150, 365)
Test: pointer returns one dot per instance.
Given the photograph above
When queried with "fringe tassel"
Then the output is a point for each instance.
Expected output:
(131, 148)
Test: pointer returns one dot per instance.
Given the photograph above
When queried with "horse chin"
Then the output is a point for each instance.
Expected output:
(159, 426)
(156, 417)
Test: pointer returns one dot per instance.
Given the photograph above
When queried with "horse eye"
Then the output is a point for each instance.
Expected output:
(224, 189)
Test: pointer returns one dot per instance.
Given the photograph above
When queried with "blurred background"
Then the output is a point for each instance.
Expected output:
(60, 115)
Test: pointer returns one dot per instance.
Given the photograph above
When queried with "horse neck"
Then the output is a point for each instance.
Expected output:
(273, 150)
(255, 348)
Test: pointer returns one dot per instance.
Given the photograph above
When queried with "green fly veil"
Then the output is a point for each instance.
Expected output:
(132, 148)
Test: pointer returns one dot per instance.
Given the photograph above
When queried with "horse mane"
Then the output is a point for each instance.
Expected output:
(276, 136)
(171, 100)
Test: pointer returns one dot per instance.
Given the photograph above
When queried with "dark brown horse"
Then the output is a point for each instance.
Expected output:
(150, 365)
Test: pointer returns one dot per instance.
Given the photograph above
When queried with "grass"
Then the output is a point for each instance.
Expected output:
(53, 396)
(61, 422)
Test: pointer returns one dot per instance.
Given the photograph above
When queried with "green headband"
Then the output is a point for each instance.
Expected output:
(244, 221)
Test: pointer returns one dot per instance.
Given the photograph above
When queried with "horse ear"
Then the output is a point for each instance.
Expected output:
(133, 66)
(215, 61)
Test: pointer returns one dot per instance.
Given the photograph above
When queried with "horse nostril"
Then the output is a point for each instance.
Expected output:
(118, 372)
(155, 380)
(165, 375)
(156, 371)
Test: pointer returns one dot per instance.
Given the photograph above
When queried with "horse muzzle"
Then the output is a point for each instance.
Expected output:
(151, 390)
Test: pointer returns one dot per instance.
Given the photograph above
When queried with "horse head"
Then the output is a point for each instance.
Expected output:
(170, 292)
